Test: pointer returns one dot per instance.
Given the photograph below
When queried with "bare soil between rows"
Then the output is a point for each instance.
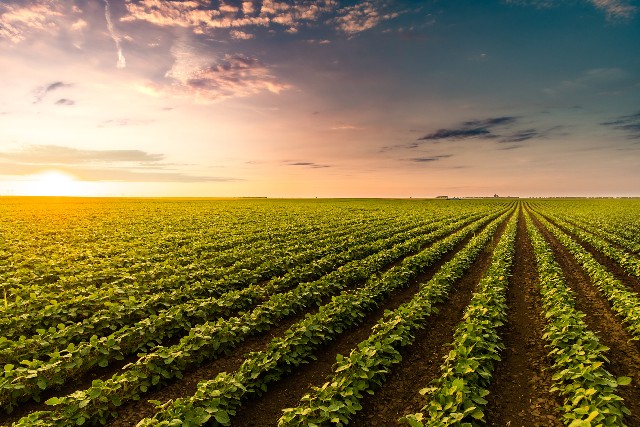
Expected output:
(519, 393)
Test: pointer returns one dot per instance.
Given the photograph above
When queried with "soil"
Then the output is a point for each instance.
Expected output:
(519, 394)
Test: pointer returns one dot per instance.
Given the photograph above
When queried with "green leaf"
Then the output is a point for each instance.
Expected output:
(222, 417)
(623, 380)
(53, 401)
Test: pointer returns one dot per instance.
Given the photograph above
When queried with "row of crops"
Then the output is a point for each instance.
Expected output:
(109, 302)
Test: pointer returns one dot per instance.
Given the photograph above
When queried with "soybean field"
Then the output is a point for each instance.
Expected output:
(319, 312)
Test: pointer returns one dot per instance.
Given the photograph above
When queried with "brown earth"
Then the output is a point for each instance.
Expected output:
(519, 394)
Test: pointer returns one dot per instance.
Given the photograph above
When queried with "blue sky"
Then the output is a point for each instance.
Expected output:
(320, 98)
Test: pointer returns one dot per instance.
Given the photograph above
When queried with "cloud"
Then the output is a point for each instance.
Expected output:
(201, 18)
(346, 127)
(122, 63)
(309, 164)
(65, 101)
(522, 135)
(361, 17)
(613, 9)
(232, 76)
(56, 154)
(41, 92)
(483, 129)
(629, 124)
(111, 174)
(18, 22)
(240, 35)
(430, 158)
(497, 129)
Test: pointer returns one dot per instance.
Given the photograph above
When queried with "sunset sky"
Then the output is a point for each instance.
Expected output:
(323, 98)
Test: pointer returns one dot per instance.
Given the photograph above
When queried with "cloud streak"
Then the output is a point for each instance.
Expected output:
(629, 124)
(475, 129)
(56, 154)
(309, 165)
(122, 63)
(112, 175)
(430, 159)
(498, 129)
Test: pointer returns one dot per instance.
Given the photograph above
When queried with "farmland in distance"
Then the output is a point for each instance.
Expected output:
(371, 312)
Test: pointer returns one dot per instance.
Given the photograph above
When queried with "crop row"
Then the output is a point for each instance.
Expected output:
(36, 375)
(218, 398)
(71, 310)
(458, 395)
(171, 253)
(209, 340)
(183, 316)
(364, 368)
(579, 375)
(614, 221)
(623, 301)
(626, 260)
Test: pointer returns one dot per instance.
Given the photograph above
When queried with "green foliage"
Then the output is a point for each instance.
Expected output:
(579, 373)
(364, 369)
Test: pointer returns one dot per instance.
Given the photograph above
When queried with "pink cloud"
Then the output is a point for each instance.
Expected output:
(18, 22)
(201, 18)
(233, 76)
(362, 17)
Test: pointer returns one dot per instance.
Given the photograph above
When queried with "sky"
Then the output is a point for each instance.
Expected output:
(320, 98)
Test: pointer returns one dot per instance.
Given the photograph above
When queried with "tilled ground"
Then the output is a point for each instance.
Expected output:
(519, 394)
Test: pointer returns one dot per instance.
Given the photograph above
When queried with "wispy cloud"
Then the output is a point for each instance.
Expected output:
(19, 22)
(484, 129)
(502, 130)
(65, 101)
(429, 159)
(111, 174)
(629, 124)
(309, 165)
(41, 92)
(56, 154)
(613, 9)
(232, 76)
(122, 63)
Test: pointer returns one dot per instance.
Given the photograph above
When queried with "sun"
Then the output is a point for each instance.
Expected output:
(53, 183)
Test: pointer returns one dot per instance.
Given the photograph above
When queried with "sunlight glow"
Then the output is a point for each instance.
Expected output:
(53, 183)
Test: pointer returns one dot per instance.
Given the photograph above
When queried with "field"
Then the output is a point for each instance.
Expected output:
(259, 312)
